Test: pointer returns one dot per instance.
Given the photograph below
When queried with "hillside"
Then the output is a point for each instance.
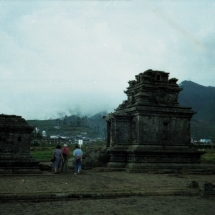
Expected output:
(93, 127)
(202, 100)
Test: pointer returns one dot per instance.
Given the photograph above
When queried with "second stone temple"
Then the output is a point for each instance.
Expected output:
(150, 130)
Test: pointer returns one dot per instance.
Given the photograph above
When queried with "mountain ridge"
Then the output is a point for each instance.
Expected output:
(200, 98)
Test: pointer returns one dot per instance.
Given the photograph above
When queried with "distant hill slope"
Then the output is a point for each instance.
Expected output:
(73, 125)
(99, 116)
(202, 100)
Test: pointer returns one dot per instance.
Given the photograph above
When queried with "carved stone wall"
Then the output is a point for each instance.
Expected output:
(15, 139)
(150, 128)
(123, 130)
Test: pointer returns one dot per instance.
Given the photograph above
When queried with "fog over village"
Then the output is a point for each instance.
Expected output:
(76, 57)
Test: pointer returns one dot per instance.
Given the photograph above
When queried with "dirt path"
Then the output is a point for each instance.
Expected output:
(158, 194)
(150, 205)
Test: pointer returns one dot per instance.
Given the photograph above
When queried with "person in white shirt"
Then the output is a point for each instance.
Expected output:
(77, 159)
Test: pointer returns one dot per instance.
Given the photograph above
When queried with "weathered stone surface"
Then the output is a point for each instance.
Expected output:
(150, 130)
(44, 167)
(15, 138)
(207, 188)
(192, 184)
(95, 157)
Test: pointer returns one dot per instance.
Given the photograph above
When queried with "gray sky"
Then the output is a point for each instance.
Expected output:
(65, 57)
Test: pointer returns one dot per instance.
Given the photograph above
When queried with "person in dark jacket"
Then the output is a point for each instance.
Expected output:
(58, 159)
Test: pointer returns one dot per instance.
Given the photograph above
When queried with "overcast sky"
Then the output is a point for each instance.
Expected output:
(64, 57)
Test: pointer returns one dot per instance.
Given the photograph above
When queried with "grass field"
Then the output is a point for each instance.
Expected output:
(44, 153)
(209, 156)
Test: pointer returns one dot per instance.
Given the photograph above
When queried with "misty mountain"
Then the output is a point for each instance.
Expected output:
(202, 100)
(99, 116)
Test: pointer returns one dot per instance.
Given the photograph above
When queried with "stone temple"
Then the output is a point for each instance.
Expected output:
(150, 131)
(15, 139)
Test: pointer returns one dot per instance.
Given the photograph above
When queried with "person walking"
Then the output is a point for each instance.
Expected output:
(56, 164)
(65, 153)
(77, 159)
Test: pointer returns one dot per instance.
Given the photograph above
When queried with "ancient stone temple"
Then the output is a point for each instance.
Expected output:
(150, 131)
(15, 138)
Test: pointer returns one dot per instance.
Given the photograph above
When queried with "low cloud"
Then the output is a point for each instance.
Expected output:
(76, 57)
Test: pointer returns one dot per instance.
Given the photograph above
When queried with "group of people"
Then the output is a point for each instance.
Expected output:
(61, 156)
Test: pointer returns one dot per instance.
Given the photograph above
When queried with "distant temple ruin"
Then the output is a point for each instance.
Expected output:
(15, 140)
(150, 131)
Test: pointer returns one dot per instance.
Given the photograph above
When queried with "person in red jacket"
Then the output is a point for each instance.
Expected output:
(65, 153)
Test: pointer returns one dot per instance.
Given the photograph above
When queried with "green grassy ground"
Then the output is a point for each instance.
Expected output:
(44, 153)
(209, 156)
